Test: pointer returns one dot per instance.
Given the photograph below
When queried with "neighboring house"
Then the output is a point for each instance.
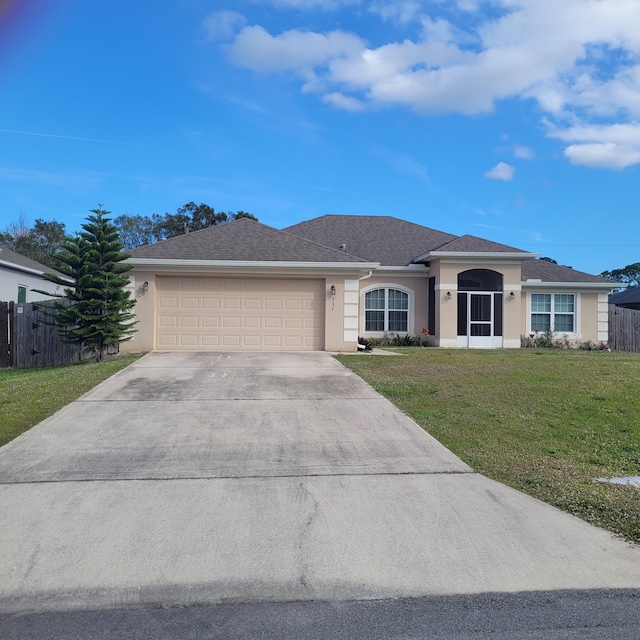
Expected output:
(322, 283)
(19, 275)
(629, 299)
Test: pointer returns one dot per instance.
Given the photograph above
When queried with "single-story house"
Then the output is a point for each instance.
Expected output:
(320, 284)
(630, 298)
(19, 275)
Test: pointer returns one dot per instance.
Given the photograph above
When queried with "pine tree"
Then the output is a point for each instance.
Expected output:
(98, 311)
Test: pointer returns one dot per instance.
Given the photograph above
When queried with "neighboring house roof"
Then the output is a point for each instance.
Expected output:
(630, 296)
(14, 260)
(384, 239)
(550, 272)
(242, 240)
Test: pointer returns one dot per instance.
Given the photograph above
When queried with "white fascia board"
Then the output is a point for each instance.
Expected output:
(411, 270)
(247, 266)
(477, 255)
(527, 284)
(19, 267)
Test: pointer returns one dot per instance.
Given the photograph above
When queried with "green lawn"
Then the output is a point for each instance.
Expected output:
(547, 422)
(28, 396)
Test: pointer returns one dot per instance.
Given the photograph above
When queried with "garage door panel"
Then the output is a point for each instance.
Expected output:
(252, 304)
(239, 313)
(189, 322)
(189, 302)
(231, 322)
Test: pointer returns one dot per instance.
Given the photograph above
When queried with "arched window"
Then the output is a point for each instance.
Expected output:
(386, 309)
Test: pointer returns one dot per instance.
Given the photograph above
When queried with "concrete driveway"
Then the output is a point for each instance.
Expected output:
(216, 477)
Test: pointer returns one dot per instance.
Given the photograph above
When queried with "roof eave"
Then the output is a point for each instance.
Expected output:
(250, 266)
(477, 255)
(19, 267)
(537, 284)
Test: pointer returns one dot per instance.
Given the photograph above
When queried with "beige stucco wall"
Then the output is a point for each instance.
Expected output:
(344, 313)
(144, 310)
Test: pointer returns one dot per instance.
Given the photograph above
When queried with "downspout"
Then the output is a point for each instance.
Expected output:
(365, 277)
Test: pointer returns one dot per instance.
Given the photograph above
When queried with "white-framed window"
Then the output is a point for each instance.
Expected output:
(386, 308)
(555, 311)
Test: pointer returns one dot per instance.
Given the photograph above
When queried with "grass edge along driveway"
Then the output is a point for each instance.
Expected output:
(28, 396)
(547, 422)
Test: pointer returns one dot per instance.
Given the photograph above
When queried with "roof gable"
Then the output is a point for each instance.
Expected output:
(384, 239)
(473, 244)
(242, 240)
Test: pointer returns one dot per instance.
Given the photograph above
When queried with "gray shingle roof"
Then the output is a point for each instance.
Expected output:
(7, 255)
(549, 272)
(243, 240)
(384, 239)
(628, 296)
(473, 244)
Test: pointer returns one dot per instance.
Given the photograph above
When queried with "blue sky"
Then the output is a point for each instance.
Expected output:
(514, 120)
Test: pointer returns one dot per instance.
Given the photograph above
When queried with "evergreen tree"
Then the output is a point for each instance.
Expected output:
(98, 311)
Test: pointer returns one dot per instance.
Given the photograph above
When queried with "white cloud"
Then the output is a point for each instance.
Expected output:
(222, 25)
(578, 59)
(608, 155)
(312, 4)
(402, 11)
(502, 171)
(343, 102)
(522, 152)
(602, 146)
(298, 51)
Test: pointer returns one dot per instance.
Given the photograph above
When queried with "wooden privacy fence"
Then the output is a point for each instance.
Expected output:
(28, 339)
(624, 329)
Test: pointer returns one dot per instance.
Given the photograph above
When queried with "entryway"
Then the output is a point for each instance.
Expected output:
(480, 312)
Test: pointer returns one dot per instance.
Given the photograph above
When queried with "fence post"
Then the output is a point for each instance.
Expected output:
(6, 312)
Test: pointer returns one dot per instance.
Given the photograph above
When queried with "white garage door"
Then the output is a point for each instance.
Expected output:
(240, 313)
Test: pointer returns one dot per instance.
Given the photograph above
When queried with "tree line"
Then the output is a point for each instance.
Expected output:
(44, 239)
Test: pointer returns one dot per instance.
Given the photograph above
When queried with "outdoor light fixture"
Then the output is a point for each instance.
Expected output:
(512, 295)
(448, 295)
(145, 286)
(332, 290)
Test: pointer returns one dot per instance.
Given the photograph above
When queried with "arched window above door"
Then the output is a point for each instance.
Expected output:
(480, 280)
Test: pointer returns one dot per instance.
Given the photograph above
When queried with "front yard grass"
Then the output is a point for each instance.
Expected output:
(547, 422)
(28, 396)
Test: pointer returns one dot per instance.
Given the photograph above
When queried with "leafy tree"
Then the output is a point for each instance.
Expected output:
(97, 313)
(191, 217)
(552, 261)
(137, 230)
(243, 214)
(39, 242)
(629, 274)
